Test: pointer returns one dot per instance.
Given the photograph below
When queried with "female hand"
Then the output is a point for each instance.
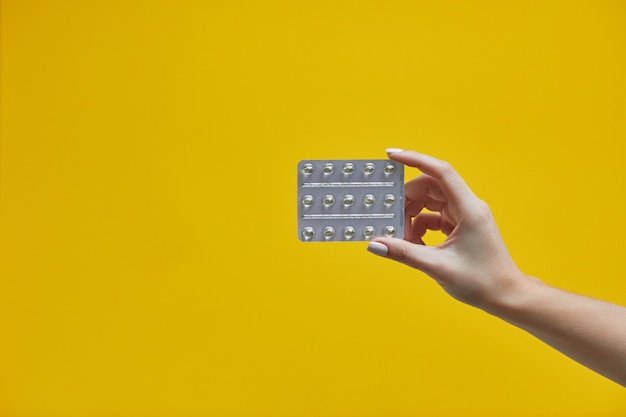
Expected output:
(472, 264)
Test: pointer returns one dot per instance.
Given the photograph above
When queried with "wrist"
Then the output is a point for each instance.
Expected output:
(515, 297)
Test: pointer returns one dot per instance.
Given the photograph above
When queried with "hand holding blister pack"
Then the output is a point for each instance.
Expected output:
(350, 200)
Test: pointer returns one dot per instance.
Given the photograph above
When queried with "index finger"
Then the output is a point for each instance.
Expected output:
(452, 185)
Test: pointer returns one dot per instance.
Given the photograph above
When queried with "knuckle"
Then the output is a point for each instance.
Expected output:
(481, 211)
(483, 207)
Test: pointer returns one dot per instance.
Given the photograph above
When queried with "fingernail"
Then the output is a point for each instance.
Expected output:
(394, 150)
(377, 248)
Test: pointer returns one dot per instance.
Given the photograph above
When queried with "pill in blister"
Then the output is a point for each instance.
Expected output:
(308, 200)
(390, 231)
(369, 168)
(329, 232)
(369, 200)
(348, 168)
(389, 199)
(308, 169)
(350, 200)
(390, 169)
(349, 232)
(369, 232)
(308, 233)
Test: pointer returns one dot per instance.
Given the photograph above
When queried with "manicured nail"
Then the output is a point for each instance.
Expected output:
(377, 248)
(394, 150)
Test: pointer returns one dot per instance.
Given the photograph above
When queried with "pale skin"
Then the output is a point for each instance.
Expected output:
(474, 266)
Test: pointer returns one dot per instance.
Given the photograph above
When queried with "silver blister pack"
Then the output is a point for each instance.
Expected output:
(350, 200)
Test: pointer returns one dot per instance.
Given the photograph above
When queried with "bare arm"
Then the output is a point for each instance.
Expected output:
(474, 266)
(590, 331)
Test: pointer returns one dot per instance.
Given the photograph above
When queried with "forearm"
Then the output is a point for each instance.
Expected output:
(590, 331)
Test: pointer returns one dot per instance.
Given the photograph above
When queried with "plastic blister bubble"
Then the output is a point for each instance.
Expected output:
(350, 200)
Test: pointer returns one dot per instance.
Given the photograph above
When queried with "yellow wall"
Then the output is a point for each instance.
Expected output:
(149, 258)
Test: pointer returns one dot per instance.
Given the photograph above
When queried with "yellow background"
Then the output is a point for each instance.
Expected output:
(150, 264)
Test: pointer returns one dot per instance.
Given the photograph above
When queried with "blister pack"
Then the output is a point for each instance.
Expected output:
(350, 200)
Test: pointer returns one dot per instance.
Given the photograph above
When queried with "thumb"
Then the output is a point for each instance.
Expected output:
(417, 256)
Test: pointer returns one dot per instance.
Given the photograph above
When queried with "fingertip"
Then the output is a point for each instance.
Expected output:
(394, 150)
(407, 157)
(402, 251)
(378, 248)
